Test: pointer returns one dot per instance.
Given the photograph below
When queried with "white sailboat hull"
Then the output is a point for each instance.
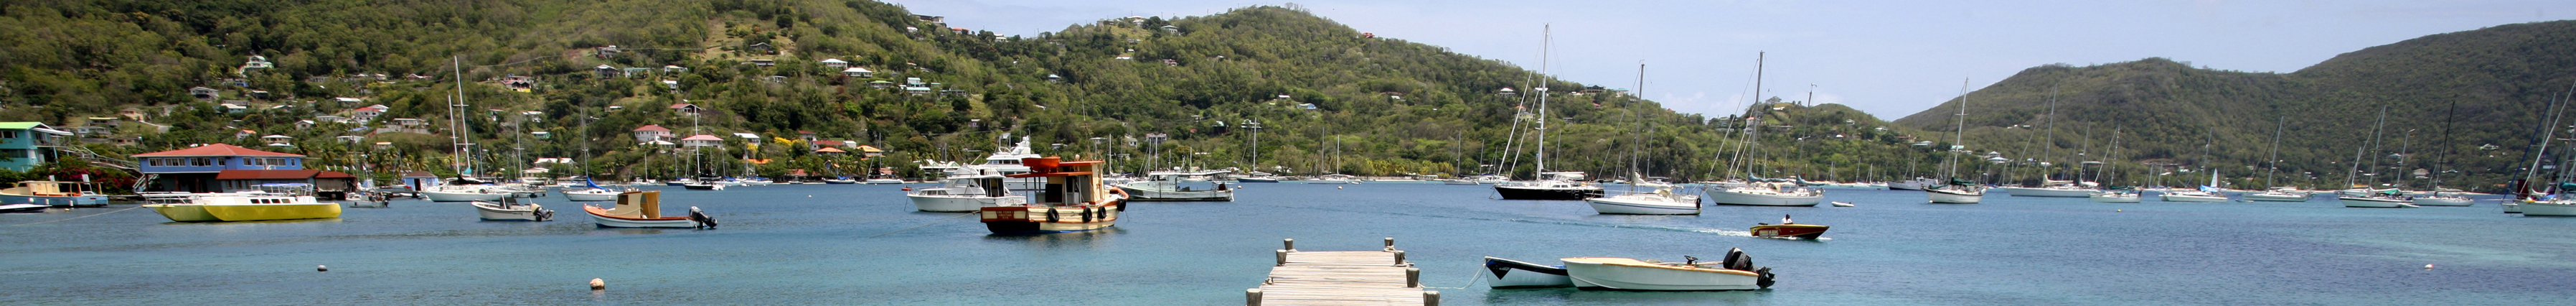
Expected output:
(1645, 204)
(2047, 192)
(1734, 196)
(2189, 197)
(2355, 202)
(962, 203)
(2444, 201)
(1949, 196)
(2549, 209)
(2276, 197)
(590, 195)
(2117, 198)
(463, 195)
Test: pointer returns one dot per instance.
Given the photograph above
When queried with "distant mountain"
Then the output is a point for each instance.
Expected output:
(2483, 87)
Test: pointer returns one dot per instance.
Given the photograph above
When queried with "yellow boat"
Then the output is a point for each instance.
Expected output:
(183, 212)
(247, 207)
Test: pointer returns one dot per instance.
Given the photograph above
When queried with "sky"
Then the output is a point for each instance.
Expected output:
(1887, 58)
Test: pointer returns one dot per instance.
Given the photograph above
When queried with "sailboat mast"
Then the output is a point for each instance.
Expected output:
(464, 133)
(2273, 163)
(2048, 145)
(1545, 38)
(1958, 133)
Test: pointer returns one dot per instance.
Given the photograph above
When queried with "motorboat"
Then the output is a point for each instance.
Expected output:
(1955, 193)
(1166, 186)
(840, 181)
(1788, 229)
(2193, 196)
(22, 208)
(1767, 194)
(1737, 272)
(250, 206)
(2378, 201)
(1919, 183)
(1558, 186)
(2117, 196)
(2277, 196)
(1075, 201)
(2444, 200)
(888, 181)
(1660, 202)
(967, 189)
(643, 209)
(1514, 274)
(54, 193)
(1334, 179)
(1007, 161)
(512, 210)
(1842, 204)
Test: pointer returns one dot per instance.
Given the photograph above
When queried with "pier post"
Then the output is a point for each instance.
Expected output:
(1413, 277)
(1283, 257)
(1390, 243)
(1431, 298)
(1290, 244)
(1252, 297)
(1399, 258)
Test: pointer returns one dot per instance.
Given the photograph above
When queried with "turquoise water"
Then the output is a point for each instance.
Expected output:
(862, 244)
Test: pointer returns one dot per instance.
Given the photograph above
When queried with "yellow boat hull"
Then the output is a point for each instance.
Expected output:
(273, 211)
(184, 213)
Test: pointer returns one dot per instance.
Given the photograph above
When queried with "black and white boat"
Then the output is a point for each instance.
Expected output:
(20, 208)
(1557, 186)
(1514, 274)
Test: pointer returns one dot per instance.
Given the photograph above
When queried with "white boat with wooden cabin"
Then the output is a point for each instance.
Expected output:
(1074, 200)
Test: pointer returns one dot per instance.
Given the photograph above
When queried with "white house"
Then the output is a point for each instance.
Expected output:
(857, 72)
(835, 63)
(651, 133)
(701, 140)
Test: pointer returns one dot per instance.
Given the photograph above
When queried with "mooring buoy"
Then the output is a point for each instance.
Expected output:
(596, 284)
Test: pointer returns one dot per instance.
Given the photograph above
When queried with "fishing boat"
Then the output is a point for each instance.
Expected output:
(1789, 229)
(1660, 202)
(1766, 194)
(643, 209)
(1737, 272)
(967, 189)
(276, 201)
(2117, 196)
(1074, 201)
(1166, 186)
(512, 210)
(1514, 274)
(54, 193)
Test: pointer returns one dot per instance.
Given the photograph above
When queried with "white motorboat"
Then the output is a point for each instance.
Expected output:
(1766, 194)
(1955, 194)
(1514, 274)
(2376, 202)
(512, 211)
(590, 194)
(2551, 208)
(1919, 183)
(1660, 202)
(2277, 196)
(2058, 191)
(2512, 206)
(20, 208)
(643, 209)
(1007, 161)
(1334, 179)
(2437, 199)
(2117, 197)
(2193, 196)
(1737, 272)
(887, 181)
(1166, 186)
(464, 193)
(966, 189)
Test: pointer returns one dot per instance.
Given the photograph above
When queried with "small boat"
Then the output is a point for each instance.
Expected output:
(967, 189)
(2437, 199)
(840, 181)
(643, 209)
(1079, 201)
(1955, 194)
(1613, 273)
(2277, 196)
(2057, 191)
(1660, 202)
(54, 193)
(1842, 204)
(2512, 206)
(1334, 179)
(1514, 274)
(1789, 229)
(1166, 186)
(2378, 201)
(512, 210)
(590, 192)
(2193, 196)
(1918, 183)
(464, 193)
(2117, 196)
(1257, 179)
(22, 208)
(1767, 194)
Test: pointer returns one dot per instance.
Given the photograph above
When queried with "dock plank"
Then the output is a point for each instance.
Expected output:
(1339, 278)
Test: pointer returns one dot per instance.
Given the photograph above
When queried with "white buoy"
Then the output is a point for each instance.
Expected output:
(596, 284)
(1337, 187)
(2428, 266)
(2119, 210)
(323, 268)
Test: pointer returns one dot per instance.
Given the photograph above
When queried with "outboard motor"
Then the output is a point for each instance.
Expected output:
(1736, 260)
(704, 221)
(1765, 280)
(545, 214)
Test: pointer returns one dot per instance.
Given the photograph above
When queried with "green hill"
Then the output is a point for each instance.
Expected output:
(1325, 95)
(2482, 87)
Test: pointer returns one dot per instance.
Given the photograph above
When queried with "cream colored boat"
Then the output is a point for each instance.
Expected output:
(247, 207)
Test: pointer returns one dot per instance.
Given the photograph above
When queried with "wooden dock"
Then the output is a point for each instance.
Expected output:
(1380, 277)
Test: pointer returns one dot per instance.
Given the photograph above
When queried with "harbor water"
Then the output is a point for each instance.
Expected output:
(865, 245)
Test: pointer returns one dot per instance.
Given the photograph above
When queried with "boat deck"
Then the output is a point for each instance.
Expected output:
(1343, 278)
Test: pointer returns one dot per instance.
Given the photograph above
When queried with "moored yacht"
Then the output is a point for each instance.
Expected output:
(280, 202)
(2386, 200)
(2117, 196)
(1166, 186)
(966, 189)
(1660, 202)
(1766, 194)
(1558, 186)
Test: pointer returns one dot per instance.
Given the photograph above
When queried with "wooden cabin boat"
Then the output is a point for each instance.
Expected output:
(1073, 200)
(643, 209)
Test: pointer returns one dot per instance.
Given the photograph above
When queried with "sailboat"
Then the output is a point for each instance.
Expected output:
(2390, 198)
(2437, 198)
(1661, 201)
(1957, 191)
(2048, 187)
(463, 188)
(2114, 194)
(1551, 185)
(2206, 193)
(593, 192)
(1756, 192)
(2276, 193)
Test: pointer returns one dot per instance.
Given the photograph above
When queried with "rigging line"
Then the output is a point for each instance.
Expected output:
(926, 224)
(68, 219)
(1473, 278)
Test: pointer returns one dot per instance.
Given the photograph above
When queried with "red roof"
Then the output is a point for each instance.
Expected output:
(653, 127)
(683, 105)
(330, 174)
(278, 174)
(830, 150)
(703, 137)
(214, 150)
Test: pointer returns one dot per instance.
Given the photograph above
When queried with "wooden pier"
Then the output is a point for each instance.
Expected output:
(1380, 277)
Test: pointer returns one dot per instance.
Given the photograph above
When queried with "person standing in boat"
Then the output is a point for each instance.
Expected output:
(1784, 220)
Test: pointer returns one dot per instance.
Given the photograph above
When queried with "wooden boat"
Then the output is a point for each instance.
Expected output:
(1514, 274)
(1660, 202)
(54, 193)
(1737, 272)
(512, 210)
(1789, 229)
(1166, 186)
(643, 209)
(1073, 200)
